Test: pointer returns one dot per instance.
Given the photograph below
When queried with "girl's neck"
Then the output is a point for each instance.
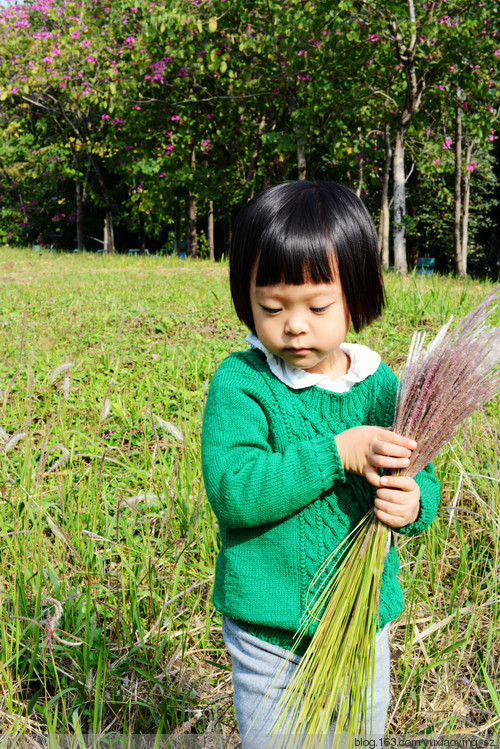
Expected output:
(334, 366)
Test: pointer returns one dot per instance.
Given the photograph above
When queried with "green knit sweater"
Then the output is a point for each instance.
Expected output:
(283, 502)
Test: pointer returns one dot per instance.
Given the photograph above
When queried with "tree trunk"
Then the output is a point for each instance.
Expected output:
(192, 239)
(301, 154)
(109, 235)
(228, 234)
(359, 188)
(400, 264)
(465, 219)
(79, 215)
(143, 232)
(177, 229)
(252, 167)
(457, 197)
(385, 215)
(211, 244)
(192, 243)
(109, 240)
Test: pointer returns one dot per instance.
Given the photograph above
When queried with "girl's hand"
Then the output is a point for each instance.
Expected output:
(397, 502)
(363, 450)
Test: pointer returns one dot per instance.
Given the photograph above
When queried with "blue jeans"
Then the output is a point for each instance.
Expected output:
(261, 672)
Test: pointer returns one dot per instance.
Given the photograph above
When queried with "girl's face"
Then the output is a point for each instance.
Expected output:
(304, 324)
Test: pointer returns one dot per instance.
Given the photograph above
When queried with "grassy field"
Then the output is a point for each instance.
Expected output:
(107, 542)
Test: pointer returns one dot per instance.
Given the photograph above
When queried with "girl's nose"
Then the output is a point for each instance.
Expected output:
(295, 325)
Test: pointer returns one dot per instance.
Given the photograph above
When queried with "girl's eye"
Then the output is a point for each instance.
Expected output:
(271, 310)
(319, 309)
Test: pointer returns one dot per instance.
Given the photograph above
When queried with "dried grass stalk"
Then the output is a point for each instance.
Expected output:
(442, 384)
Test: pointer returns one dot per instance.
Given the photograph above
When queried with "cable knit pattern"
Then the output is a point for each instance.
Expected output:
(283, 502)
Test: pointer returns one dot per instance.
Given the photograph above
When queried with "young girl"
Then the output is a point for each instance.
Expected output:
(295, 436)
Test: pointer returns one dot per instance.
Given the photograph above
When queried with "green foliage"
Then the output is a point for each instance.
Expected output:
(144, 106)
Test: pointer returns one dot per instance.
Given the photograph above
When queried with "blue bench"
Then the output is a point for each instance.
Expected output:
(426, 265)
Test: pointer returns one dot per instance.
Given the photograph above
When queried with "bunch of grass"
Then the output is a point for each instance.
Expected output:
(442, 384)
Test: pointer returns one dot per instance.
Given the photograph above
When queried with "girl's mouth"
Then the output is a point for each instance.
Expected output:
(298, 351)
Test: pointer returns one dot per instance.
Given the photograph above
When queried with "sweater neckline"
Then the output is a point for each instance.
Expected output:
(364, 363)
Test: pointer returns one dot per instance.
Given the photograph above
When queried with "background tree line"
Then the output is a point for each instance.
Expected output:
(150, 124)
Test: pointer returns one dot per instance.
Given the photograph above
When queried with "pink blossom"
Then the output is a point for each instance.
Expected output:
(75, 34)
(373, 38)
(136, 106)
(176, 118)
(86, 43)
(302, 52)
(104, 116)
(206, 145)
(436, 161)
(14, 90)
(91, 58)
(169, 148)
(162, 174)
(470, 167)
(447, 144)
(497, 52)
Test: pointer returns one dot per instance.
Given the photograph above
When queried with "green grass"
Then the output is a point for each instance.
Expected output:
(102, 507)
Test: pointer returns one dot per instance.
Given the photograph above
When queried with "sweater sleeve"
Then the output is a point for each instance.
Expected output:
(247, 483)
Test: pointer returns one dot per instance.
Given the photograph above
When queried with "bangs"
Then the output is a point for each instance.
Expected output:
(298, 252)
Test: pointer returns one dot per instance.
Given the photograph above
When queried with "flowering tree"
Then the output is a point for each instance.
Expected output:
(424, 47)
(155, 115)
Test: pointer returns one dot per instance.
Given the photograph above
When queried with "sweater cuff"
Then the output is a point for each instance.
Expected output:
(329, 462)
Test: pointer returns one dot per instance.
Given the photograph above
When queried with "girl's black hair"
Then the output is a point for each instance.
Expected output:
(292, 231)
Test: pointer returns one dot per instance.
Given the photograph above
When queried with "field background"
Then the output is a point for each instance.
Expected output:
(105, 366)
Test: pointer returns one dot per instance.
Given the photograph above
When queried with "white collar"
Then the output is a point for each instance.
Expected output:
(364, 362)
